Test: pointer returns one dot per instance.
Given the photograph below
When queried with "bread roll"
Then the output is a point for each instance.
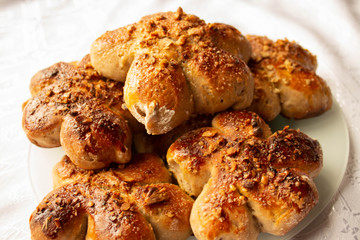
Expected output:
(175, 65)
(286, 81)
(74, 107)
(135, 201)
(247, 180)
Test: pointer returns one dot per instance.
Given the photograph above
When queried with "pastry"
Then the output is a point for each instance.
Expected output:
(175, 65)
(135, 201)
(246, 179)
(74, 107)
(286, 81)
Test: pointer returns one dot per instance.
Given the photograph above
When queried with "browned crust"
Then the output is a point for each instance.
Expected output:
(165, 84)
(160, 143)
(134, 201)
(286, 81)
(201, 62)
(143, 169)
(242, 163)
(64, 209)
(230, 39)
(167, 208)
(73, 106)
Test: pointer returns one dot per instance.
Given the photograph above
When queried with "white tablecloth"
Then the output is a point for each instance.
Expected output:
(36, 34)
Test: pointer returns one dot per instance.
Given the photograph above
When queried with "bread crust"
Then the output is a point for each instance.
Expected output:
(74, 107)
(159, 144)
(174, 65)
(247, 179)
(286, 81)
(134, 201)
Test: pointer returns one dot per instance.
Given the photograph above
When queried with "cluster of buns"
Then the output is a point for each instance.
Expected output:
(152, 89)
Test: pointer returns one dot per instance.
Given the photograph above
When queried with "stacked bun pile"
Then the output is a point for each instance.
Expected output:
(164, 129)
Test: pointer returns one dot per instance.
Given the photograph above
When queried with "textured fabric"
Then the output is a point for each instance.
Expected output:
(36, 34)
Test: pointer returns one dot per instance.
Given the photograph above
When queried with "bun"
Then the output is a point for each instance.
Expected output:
(76, 108)
(247, 180)
(135, 201)
(159, 144)
(174, 65)
(286, 81)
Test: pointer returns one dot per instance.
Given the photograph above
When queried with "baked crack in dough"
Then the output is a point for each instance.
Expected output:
(174, 65)
(135, 201)
(73, 106)
(286, 81)
(247, 180)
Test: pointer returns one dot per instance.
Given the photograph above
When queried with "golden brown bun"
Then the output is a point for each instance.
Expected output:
(135, 201)
(173, 65)
(286, 81)
(247, 180)
(76, 108)
(159, 144)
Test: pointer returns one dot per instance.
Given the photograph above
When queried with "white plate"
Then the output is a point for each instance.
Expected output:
(330, 129)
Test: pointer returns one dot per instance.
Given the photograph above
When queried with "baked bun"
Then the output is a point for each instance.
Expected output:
(247, 180)
(174, 65)
(73, 106)
(135, 201)
(286, 81)
(159, 144)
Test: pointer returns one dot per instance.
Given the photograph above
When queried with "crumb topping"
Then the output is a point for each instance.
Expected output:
(267, 175)
(117, 212)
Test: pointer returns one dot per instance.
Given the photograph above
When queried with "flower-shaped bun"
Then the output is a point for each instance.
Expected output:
(73, 106)
(174, 65)
(247, 180)
(135, 201)
(286, 81)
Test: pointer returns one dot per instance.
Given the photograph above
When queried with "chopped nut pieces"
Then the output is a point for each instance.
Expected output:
(125, 206)
(286, 81)
(255, 175)
(82, 108)
(211, 56)
(134, 201)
